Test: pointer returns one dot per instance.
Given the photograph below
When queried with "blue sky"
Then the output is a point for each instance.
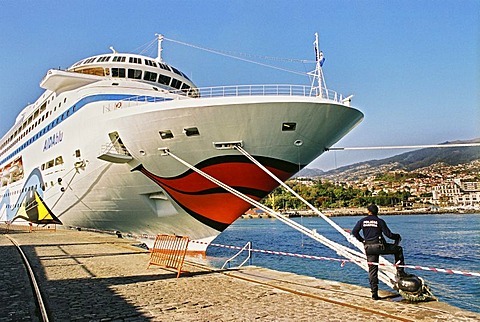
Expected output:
(413, 66)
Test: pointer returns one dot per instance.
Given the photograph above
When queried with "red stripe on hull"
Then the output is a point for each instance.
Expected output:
(201, 196)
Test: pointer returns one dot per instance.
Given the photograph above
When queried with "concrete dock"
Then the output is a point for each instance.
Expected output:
(87, 276)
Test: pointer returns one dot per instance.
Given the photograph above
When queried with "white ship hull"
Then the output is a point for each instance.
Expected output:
(134, 187)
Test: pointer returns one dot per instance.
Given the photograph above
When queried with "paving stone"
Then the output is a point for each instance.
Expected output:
(96, 277)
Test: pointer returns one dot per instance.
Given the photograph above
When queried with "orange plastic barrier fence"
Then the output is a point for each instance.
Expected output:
(169, 251)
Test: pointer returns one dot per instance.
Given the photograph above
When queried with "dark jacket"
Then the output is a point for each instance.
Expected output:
(372, 228)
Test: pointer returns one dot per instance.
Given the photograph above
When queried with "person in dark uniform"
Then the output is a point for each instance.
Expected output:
(373, 229)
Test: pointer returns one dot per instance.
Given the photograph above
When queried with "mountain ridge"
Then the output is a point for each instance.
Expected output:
(408, 161)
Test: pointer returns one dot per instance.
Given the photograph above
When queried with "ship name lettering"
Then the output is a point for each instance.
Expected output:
(53, 140)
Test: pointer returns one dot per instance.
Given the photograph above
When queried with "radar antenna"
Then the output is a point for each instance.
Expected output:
(318, 81)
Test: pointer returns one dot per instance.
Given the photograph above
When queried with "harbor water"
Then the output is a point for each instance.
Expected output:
(449, 241)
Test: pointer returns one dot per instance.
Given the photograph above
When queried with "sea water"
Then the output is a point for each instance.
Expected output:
(449, 241)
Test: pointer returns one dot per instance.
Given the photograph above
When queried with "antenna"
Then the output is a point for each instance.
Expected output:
(160, 49)
(318, 82)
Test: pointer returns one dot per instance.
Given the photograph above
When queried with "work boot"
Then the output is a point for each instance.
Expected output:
(375, 296)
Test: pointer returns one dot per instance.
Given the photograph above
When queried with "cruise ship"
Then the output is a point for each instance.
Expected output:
(95, 149)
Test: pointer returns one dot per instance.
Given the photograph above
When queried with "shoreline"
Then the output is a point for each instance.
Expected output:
(355, 211)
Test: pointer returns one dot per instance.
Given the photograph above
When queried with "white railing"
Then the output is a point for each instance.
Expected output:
(229, 91)
(267, 90)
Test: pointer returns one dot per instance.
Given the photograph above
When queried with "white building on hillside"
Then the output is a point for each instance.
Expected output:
(457, 192)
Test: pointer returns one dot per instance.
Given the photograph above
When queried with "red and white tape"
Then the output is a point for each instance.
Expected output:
(342, 261)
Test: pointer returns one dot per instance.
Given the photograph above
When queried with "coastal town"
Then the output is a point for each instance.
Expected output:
(439, 185)
(439, 188)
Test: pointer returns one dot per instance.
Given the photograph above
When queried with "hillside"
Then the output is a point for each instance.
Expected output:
(408, 161)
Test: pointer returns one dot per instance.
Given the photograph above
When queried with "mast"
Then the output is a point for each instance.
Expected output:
(318, 81)
(160, 49)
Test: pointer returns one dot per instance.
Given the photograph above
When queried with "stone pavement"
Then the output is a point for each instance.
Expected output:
(88, 276)
(16, 295)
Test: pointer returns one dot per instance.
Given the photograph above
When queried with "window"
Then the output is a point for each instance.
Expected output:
(150, 63)
(99, 71)
(135, 60)
(104, 58)
(163, 66)
(78, 63)
(59, 160)
(289, 126)
(191, 131)
(120, 59)
(149, 76)
(134, 73)
(90, 60)
(166, 134)
(176, 83)
(185, 88)
(176, 71)
(118, 72)
(49, 164)
(163, 79)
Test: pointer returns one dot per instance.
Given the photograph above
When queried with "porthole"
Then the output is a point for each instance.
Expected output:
(298, 143)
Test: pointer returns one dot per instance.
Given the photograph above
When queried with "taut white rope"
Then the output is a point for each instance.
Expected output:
(453, 145)
(389, 267)
(356, 257)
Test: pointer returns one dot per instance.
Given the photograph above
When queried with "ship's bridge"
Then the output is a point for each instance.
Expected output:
(117, 65)
(137, 67)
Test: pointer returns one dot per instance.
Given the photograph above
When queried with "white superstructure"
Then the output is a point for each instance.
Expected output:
(90, 151)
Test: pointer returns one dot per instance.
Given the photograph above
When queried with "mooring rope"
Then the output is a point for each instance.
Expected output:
(391, 147)
(348, 236)
(340, 249)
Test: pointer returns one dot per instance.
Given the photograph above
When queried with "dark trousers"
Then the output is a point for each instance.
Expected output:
(373, 252)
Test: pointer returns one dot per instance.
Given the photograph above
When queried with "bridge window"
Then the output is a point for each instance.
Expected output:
(134, 73)
(120, 59)
(185, 88)
(150, 63)
(118, 72)
(163, 66)
(176, 71)
(176, 83)
(135, 60)
(90, 60)
(92, 71)
(103, 58)
(163, 79)
(149, 76)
